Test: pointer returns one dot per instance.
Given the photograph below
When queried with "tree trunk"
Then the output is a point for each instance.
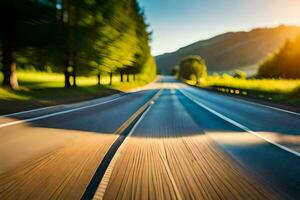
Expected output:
(133, 76)
(121, 75)
(8, 40)
(9, 67)
(67, 76)
(110, 78)
(74, 79)
(74, 69)
(128, 77)
(68, 47)
(99, 78)
(67, 79)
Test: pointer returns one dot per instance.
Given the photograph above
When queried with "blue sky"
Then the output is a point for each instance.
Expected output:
(176, 23)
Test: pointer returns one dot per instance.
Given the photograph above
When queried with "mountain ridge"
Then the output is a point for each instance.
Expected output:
(231, 50)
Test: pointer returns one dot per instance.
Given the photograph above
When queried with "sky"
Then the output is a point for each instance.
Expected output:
(177, 23)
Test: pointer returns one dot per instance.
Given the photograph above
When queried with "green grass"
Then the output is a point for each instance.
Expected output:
(42, 89)
(275, 90)
(40, 81)
(263, 85)
(54, 80)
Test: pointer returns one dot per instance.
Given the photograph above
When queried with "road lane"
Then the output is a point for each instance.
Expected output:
(275, 165)
(61, 152)
(65, 107)
(61, 171)
(177, 150)
(168, 156)
(241, 126)
(276, 124)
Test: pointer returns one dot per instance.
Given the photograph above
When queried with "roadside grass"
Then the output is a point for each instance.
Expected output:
(44, 89)
(282, 86)
(36, 80)
(280, 91)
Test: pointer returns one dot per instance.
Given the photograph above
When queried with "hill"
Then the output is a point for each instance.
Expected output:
(231, 50)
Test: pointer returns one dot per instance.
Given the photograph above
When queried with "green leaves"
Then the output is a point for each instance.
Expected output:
(284, 63)
(88, 35)
(193, 68)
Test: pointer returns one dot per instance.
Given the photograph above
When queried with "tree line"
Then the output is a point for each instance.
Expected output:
(284, 63)
(74, 37)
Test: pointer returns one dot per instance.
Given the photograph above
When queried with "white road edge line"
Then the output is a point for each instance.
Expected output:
(238, 124)
(56, 113)
(263, 105)
(274, 108)
(27, 111)
(105, 180)
(48, 107)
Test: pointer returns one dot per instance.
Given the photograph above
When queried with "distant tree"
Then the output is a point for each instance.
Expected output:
(175, 71)
(226, 76)
(285, 63)
(216, 74)
(192, 68)
(240, 74)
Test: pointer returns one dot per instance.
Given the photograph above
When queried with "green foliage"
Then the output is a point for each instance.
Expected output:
(240, 74)
(226, 76)
(278, 90)
(175, 71)
(192, 68)
(264, 85)
(88, 37)
(284, 63)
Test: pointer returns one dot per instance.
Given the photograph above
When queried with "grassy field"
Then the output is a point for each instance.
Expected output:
(43, 89)
(275, 90)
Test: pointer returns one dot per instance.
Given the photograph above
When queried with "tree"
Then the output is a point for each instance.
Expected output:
(75, 37)
(284, 63)
(79, 26)
(23, 23)
(240, 74)
(192, 68)
(175, 71)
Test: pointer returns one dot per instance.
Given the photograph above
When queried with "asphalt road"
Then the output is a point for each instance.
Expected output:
(175, 142)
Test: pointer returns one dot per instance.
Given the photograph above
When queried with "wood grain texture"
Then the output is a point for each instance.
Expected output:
(60, 172)
(155, 168)
(175, 159)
